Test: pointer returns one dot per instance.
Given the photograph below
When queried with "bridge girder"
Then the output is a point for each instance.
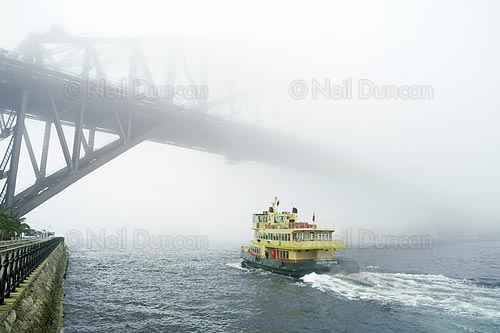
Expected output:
(31, 95)
(32, 90)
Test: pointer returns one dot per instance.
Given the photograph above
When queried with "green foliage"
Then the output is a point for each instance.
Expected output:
(11, 224)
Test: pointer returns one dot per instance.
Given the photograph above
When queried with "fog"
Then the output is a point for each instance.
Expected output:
(405, 165)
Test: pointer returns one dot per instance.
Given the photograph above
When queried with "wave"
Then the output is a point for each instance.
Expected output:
(486, 282)
(372, 268)
(432, 292)
(236, 265)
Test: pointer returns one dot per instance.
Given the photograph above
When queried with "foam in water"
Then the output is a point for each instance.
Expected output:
(237, 265)
(432, 292)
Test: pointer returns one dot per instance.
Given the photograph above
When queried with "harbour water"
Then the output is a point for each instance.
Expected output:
(451, 287)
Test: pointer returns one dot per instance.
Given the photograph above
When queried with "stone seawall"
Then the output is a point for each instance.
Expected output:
(36, 306)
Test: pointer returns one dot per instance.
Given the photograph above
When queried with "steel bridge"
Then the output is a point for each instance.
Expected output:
(32, 87)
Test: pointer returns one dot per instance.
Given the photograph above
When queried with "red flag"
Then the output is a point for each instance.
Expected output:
(314, 217)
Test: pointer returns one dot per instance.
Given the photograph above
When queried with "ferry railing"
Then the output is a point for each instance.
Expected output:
(18, 262)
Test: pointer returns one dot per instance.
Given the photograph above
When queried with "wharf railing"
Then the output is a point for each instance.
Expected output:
(18, 262)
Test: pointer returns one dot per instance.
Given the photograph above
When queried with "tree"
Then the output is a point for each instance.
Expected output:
(11, 224)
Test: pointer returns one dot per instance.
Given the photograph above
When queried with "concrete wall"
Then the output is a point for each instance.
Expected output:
(36, 306)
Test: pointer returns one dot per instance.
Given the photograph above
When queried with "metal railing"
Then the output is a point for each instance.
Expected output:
(18, 262)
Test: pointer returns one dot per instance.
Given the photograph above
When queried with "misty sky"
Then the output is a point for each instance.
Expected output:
(426, 166)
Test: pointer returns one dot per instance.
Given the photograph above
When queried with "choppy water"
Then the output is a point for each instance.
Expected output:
(453, 287)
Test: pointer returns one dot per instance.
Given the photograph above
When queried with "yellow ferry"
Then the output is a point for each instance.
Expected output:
(282, 244)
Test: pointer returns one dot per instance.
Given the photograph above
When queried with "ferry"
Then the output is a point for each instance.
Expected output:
(283, 244)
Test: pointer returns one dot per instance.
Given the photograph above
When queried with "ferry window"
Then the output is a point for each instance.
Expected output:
(311, 237)
(302, 235)
(320, 236)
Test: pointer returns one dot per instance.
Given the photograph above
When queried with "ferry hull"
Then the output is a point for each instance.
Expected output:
(299, 269)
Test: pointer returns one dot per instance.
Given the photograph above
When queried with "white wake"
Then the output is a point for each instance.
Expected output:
(236, 265)
(434, 292)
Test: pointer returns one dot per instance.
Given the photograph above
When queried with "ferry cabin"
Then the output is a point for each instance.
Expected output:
(280, 237)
